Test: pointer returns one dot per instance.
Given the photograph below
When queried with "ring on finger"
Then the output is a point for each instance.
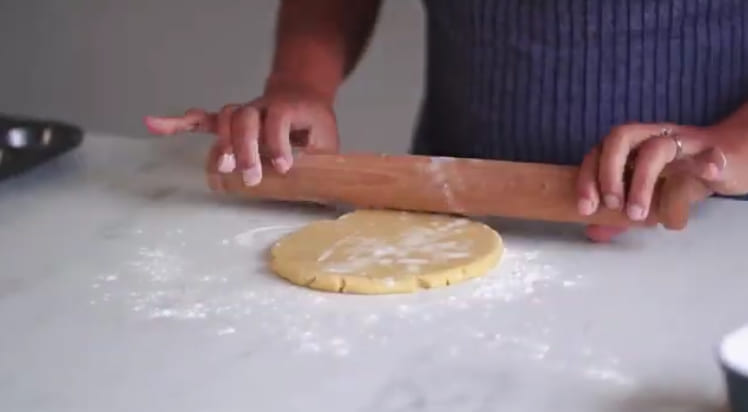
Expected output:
(668, 132)
(724, 159)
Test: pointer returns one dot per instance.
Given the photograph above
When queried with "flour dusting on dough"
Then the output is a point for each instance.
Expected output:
(431, 242)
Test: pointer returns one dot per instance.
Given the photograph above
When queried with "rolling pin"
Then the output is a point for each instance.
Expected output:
(459, 186)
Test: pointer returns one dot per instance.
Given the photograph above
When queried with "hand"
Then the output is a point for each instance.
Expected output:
(714, 156)
(285, 116)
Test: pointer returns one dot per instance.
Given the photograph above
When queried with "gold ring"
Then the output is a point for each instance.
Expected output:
(668, 132)
(724, 159)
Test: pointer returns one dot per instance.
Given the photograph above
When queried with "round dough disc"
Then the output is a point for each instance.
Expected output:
(377, 251)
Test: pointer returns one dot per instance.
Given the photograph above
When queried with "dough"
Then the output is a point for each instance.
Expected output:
(377, 251)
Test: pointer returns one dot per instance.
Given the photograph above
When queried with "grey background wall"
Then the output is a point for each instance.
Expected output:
(106, 63)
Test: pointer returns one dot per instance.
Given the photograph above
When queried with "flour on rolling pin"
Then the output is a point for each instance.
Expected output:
(440, 178)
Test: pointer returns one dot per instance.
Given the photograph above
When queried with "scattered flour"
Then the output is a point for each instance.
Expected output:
(518, 275)
(226, 331)
(607, 375)
(340, 346)
(160, 281)
(249, 238)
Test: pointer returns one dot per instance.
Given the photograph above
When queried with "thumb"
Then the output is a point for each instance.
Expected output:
(709, 165)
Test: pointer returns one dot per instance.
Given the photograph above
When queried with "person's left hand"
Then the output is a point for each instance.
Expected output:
(715, 156)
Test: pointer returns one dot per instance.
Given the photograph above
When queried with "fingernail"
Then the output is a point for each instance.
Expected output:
(151, 124)
(612, 202)
(281, 164)
(636, 212)
(586, 207)
(227, 164)
(252, 176)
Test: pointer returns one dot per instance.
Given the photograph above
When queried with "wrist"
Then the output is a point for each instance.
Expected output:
(305, 83)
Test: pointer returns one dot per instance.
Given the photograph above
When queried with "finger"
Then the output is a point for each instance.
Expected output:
(603, 234)
(651, 159)
(709, 165)
(223, 126)
(677, 194)
(226, 162)
(245, 133)
(166, 126)
(587, 194)
(193, 120)
(215, 182)
(617, 147)
(201, 120)
(276, 137)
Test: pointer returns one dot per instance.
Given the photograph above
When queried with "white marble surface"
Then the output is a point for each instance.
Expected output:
(126, 286)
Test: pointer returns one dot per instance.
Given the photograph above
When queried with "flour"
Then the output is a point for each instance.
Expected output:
(607, 375)
(162, 282)
(111, 277)
(226, 331)
(248, 238)
(441, 160)
(238, 298)
(158, 265)
(340, 346)
(164, 287)
(435, 169)
(389, 282)
(521, 272)
(413, 250)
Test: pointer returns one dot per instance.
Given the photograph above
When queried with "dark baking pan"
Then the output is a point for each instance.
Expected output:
(26, 142)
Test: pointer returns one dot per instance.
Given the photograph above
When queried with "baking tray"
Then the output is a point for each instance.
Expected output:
(27, 142)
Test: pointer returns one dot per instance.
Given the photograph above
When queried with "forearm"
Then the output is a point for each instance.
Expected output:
(318, 42)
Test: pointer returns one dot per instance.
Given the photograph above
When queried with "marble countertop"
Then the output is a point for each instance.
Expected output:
(126, 286)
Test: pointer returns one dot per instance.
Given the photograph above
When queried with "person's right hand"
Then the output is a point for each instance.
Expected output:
(268, 127)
